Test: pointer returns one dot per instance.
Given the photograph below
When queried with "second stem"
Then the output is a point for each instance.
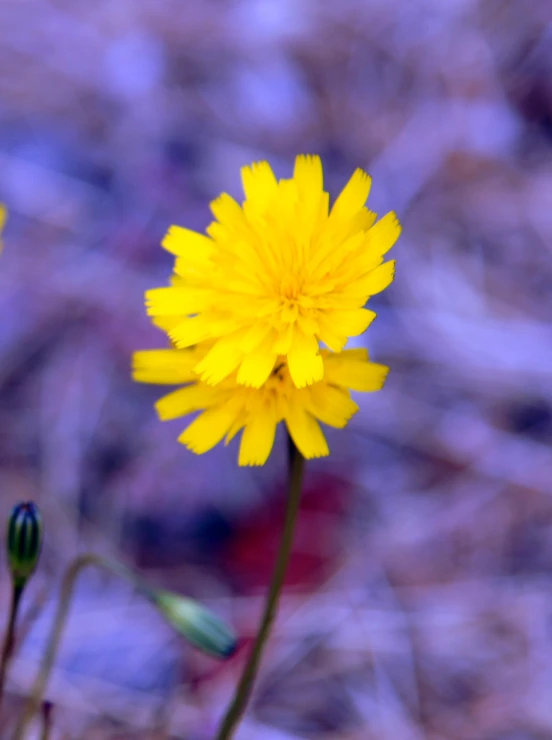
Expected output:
(9, 639)
(243, 692)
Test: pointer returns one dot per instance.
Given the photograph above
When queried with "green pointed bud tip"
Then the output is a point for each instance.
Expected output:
(197, 624)
(24, 541)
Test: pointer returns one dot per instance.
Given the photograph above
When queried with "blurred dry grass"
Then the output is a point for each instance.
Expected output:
(419, 603)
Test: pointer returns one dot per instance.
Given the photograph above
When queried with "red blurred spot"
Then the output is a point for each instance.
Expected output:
(250, 554)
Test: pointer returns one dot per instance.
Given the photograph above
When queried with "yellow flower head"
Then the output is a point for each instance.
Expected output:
(228, 407)
(276, 276)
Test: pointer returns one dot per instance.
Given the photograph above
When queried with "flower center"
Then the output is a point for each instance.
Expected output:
(290, 297)
(289, 288)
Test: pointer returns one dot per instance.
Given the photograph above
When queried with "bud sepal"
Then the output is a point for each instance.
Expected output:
(196, 623)
(24, 541)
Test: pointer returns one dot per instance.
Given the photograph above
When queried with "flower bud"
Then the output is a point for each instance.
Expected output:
(24, 541)
(196, 623)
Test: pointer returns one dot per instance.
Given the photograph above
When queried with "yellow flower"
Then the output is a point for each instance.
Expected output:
(277, 276)
(228, 407)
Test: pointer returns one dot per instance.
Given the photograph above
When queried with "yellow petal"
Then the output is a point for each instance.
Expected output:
(258, 438)
(166, 323)
(327, 333)
(259, 184)
(307, 324)
(257, 366)
(353, 197)
(331, 405)
(347, 323)
(376, 243)
(218, 327)
(286, 202)
(163, 366)
(362, 221)
(190, 331)
(359, 354)
(358, 376)
(229, 213)
(305, 432)
(379, 278)
(221, 360)
(210, 427)
(188, 243)
(175, 301)
(356, 290)
(255, 336)
(308, 174)
(237, 425)
(384, 233)
(330, 257)
(284, 340)
(304, 361)
(185, 400)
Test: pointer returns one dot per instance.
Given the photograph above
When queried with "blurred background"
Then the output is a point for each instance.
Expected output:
(419, 599)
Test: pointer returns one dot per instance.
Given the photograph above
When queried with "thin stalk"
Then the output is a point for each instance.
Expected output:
(33, 703)
(47, 710)
(9, 638)
(245, 686)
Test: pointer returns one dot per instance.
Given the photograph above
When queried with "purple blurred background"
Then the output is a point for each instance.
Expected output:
(419, 600)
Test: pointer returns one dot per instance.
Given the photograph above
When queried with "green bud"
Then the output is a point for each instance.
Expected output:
(24, 541)
(196, 623)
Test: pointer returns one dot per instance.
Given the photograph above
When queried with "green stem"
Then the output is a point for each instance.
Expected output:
(9, 639)
(243, 691)
(83, 561)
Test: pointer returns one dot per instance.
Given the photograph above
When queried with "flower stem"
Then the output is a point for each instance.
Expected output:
(47, 708)
(33, 703)
(9, 639)
(243, 691)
